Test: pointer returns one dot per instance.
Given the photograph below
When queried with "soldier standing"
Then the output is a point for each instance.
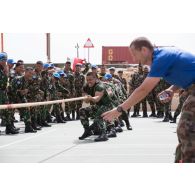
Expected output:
(69, 85)
(79, 83)
(122, 79)
(5, 114)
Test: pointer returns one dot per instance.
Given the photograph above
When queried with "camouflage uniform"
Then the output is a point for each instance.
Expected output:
(17, 84)
(69, 85)
(5, 114)
(79, 83)
(183, 95)
(185, 151)
(123, 81)
(97, 109)
(135, 82)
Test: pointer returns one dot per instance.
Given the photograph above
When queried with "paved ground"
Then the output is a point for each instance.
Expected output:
(151, 141)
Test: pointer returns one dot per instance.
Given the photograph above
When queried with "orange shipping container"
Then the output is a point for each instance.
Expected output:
(116, 55)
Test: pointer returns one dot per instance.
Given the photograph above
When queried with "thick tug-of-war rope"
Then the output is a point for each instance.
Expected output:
(23, 105)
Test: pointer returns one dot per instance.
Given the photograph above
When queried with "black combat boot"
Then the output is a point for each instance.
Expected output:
(145, 115)
(10, 130)
(118, 129)
(134, 114)
(78, 115)
(34, 125)
(166, 119)
(16, 128)
(29, 129)
(62, 116)
(68, 118)
(73, 115)
(160, 114)
(45, 124)
(3, 123)
(87, 133)
(59, 119)
(101, 138)
(111, 132)
(128, 124)
(174, 119)
(49, 118)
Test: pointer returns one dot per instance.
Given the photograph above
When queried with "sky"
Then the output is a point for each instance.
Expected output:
(32, 46)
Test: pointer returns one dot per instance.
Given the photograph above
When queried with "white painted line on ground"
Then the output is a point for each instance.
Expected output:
(28, 138)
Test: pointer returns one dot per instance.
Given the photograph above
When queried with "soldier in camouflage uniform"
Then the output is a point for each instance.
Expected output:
(135, 82)
(122, 79)
(112, 72)
(102, 70)
(5, 114)
(58, 92)
(183, 95)
(97, 95)
(21, 87)
(69, 85)
(39, 113)
(144, 101)
(159, 105)
(167, 106)
(121, 95)
(79, 83)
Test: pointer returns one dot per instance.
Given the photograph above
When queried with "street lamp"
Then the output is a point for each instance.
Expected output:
(77, 47)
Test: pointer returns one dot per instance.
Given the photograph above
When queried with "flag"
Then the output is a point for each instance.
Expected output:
(77, 61)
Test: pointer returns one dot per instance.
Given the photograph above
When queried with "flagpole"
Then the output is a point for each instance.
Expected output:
(2, 43)
(48, 47)
(88, 55)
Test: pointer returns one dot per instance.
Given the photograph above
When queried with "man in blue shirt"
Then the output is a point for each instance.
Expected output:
(178, 68)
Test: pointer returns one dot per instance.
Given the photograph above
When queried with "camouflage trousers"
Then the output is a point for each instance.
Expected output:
(5, 114)
(179, 107)
(185, 151)
(87, 112)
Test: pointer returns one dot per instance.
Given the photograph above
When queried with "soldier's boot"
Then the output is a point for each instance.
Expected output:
(3, 123)
(134, 114)
(39, 121)
(160, 114)
(59, 119)
(102, 137)
(166, 118)
(10, 130)
(16, 128)
(121, 123)
(145, 115)
(78, 115)
(170, 116)
(118, 129)
(62, 116)
(128, 125)
(21, 118)
(45, 124)
(29, 128)
(87, 133)
(49, 118)
(34, 125)
(111, 132)
(73, 115)
(68, 118)
(174, 119)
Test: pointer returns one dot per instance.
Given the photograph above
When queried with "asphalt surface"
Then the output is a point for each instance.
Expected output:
(150, 141)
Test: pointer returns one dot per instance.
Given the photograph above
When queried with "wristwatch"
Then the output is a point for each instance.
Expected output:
(120, 109)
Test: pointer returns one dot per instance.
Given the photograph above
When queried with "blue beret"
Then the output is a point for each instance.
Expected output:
(56, 75)
(107, 76)
(11, 61)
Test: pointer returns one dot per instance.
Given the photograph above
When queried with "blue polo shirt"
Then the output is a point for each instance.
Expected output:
(176, 66)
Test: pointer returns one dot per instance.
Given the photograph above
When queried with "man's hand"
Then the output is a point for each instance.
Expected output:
(24, 92)
(111, 115)
(88, 99)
